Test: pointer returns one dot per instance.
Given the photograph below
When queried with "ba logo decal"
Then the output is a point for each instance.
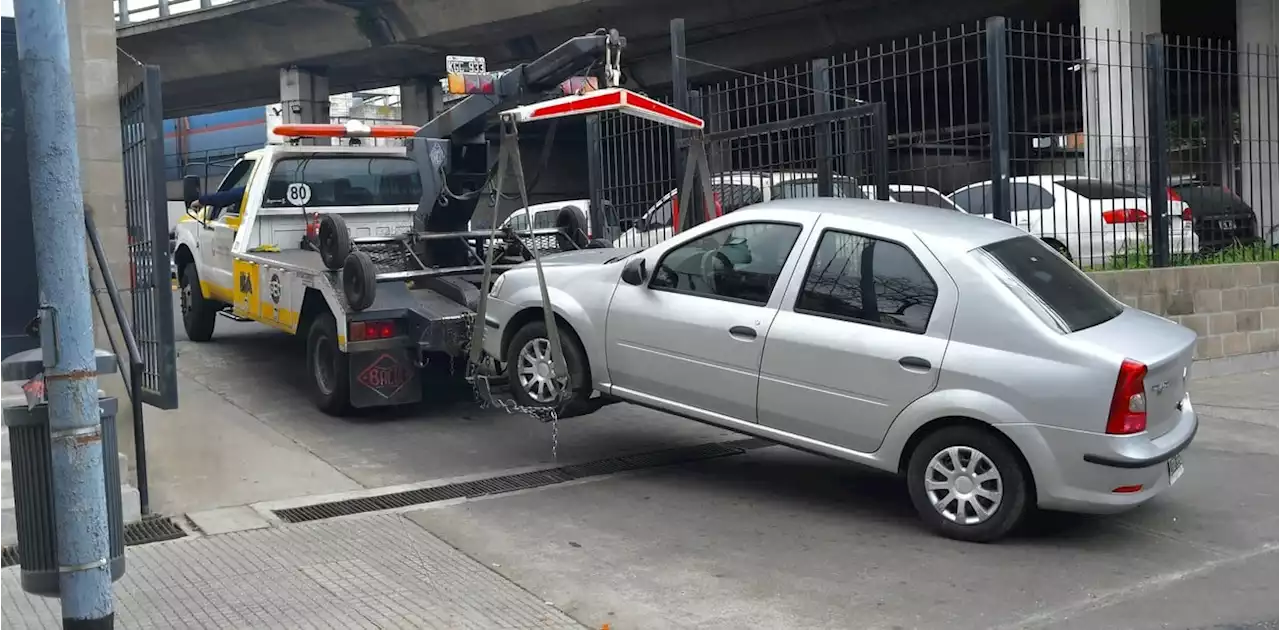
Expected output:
(275, 288)
(246, 283)
(385, 376)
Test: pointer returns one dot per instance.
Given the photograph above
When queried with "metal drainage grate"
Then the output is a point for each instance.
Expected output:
(521, 481)
(149, 530)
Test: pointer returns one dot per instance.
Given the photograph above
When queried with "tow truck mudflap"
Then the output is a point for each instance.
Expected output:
(385, 376)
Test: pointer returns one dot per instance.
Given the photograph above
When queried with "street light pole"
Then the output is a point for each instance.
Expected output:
(66, 326)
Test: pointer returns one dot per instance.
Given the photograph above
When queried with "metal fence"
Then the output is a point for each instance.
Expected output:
(1118, 149)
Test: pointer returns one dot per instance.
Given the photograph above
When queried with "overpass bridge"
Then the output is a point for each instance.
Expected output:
(224, 54)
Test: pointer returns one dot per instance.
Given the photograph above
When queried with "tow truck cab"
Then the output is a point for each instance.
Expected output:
(246, 261)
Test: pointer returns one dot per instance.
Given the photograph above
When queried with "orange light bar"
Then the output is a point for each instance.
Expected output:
(344, 131)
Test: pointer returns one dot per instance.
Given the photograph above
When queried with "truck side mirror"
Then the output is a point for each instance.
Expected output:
(634, 273)
(190, 189)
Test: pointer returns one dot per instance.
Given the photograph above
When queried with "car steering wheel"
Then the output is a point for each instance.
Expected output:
(709, 261)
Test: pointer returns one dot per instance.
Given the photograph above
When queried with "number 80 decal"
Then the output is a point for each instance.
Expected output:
(299, 194)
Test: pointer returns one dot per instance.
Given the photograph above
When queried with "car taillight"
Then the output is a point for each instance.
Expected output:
(1175, 197)
(1127, 215)
(1129, 401)
(368, 331)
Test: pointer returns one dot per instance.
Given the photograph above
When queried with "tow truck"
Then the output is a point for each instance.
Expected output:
(367, 252)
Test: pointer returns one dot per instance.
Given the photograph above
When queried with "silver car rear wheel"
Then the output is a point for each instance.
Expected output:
(964, 485)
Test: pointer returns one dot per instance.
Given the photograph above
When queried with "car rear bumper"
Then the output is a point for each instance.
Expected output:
(1082, 471)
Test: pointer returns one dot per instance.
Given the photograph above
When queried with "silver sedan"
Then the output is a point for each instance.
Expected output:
(954, 350)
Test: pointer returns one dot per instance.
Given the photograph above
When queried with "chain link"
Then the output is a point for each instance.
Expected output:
(461, 345)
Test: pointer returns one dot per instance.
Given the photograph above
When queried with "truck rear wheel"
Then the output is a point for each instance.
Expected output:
(198, 314)
(327, 367)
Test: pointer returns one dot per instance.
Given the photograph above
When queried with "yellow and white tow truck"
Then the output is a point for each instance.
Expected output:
(366, 251)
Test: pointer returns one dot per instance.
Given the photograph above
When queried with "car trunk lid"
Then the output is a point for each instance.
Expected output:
(1164, 347)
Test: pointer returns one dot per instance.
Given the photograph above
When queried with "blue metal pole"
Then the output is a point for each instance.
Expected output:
(66, 328)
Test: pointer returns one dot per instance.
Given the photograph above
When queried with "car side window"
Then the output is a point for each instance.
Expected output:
(869, 281)
(741, 262)
(237, 177)
(1030, 197)
(545, 219)
(660, 217)
(974, 200)
(520, 222)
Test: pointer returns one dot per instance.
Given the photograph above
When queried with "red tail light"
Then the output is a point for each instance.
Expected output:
(1129, 401)
(1127, 215)
(369, 331)
(1186, 210)
(313, 225)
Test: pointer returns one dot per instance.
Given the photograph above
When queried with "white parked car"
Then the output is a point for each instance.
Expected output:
(911, 193)
(1088, 220)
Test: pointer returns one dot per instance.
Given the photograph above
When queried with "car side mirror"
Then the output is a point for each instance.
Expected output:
(634, 273)
(190, 189)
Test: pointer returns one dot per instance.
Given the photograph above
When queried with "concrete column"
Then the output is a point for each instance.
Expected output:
(421, 100)
(1256, 37)
(1115, 86)
(304, 97)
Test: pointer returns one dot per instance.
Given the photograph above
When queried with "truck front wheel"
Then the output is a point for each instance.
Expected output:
(327, 366)
(198, 314)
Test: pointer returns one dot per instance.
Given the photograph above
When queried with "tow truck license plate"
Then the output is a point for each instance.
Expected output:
(463, 63)
(1175, 468)
(1227, 224)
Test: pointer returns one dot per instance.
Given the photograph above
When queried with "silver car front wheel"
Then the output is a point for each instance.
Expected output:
(534, 368)
(964, 485)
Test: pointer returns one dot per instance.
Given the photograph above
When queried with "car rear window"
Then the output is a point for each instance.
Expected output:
(1047, 281)
(1098, 189)
(346, 181)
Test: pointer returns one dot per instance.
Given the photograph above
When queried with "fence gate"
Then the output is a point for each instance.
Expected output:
(142, 135)
(785, 133)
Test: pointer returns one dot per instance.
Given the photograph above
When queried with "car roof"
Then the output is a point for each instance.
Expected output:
(932, 224)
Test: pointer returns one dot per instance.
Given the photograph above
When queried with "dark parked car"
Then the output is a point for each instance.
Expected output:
(1221, 218)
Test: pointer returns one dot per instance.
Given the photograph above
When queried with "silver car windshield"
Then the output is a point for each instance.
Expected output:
(1049, 284)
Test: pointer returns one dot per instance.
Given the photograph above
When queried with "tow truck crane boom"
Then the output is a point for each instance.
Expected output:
(452, 150)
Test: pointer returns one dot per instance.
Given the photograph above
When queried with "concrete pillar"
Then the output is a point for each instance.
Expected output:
(1256, 37)
(94, 77)
(421, 100)
(304, 97)
(1115, 86)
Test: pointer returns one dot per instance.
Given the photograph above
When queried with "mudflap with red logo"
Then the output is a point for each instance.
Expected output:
(380, 378)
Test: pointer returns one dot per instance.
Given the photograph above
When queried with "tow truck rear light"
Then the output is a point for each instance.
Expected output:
(370, 331)
(1129, 400)
(1126, 215)
(473, 82)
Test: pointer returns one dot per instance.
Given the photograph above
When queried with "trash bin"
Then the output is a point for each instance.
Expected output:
(31, 461)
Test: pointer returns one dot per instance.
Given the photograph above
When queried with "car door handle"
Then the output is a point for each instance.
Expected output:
(743, 331)
(914, 363)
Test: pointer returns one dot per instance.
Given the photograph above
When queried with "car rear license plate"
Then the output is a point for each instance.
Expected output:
(1175, 468)
(1227, 224)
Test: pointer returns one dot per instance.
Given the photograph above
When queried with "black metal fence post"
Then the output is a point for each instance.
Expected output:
(595, 176)
(821, 85)
(997, 34)
(880, 151)
(1158, 149)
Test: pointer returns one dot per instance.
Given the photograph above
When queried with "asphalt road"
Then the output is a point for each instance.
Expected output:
(780, 539)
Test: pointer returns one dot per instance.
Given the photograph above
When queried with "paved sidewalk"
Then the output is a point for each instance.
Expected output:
(380, 571)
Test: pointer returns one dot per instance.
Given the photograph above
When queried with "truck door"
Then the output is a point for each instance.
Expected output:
(215, 242)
